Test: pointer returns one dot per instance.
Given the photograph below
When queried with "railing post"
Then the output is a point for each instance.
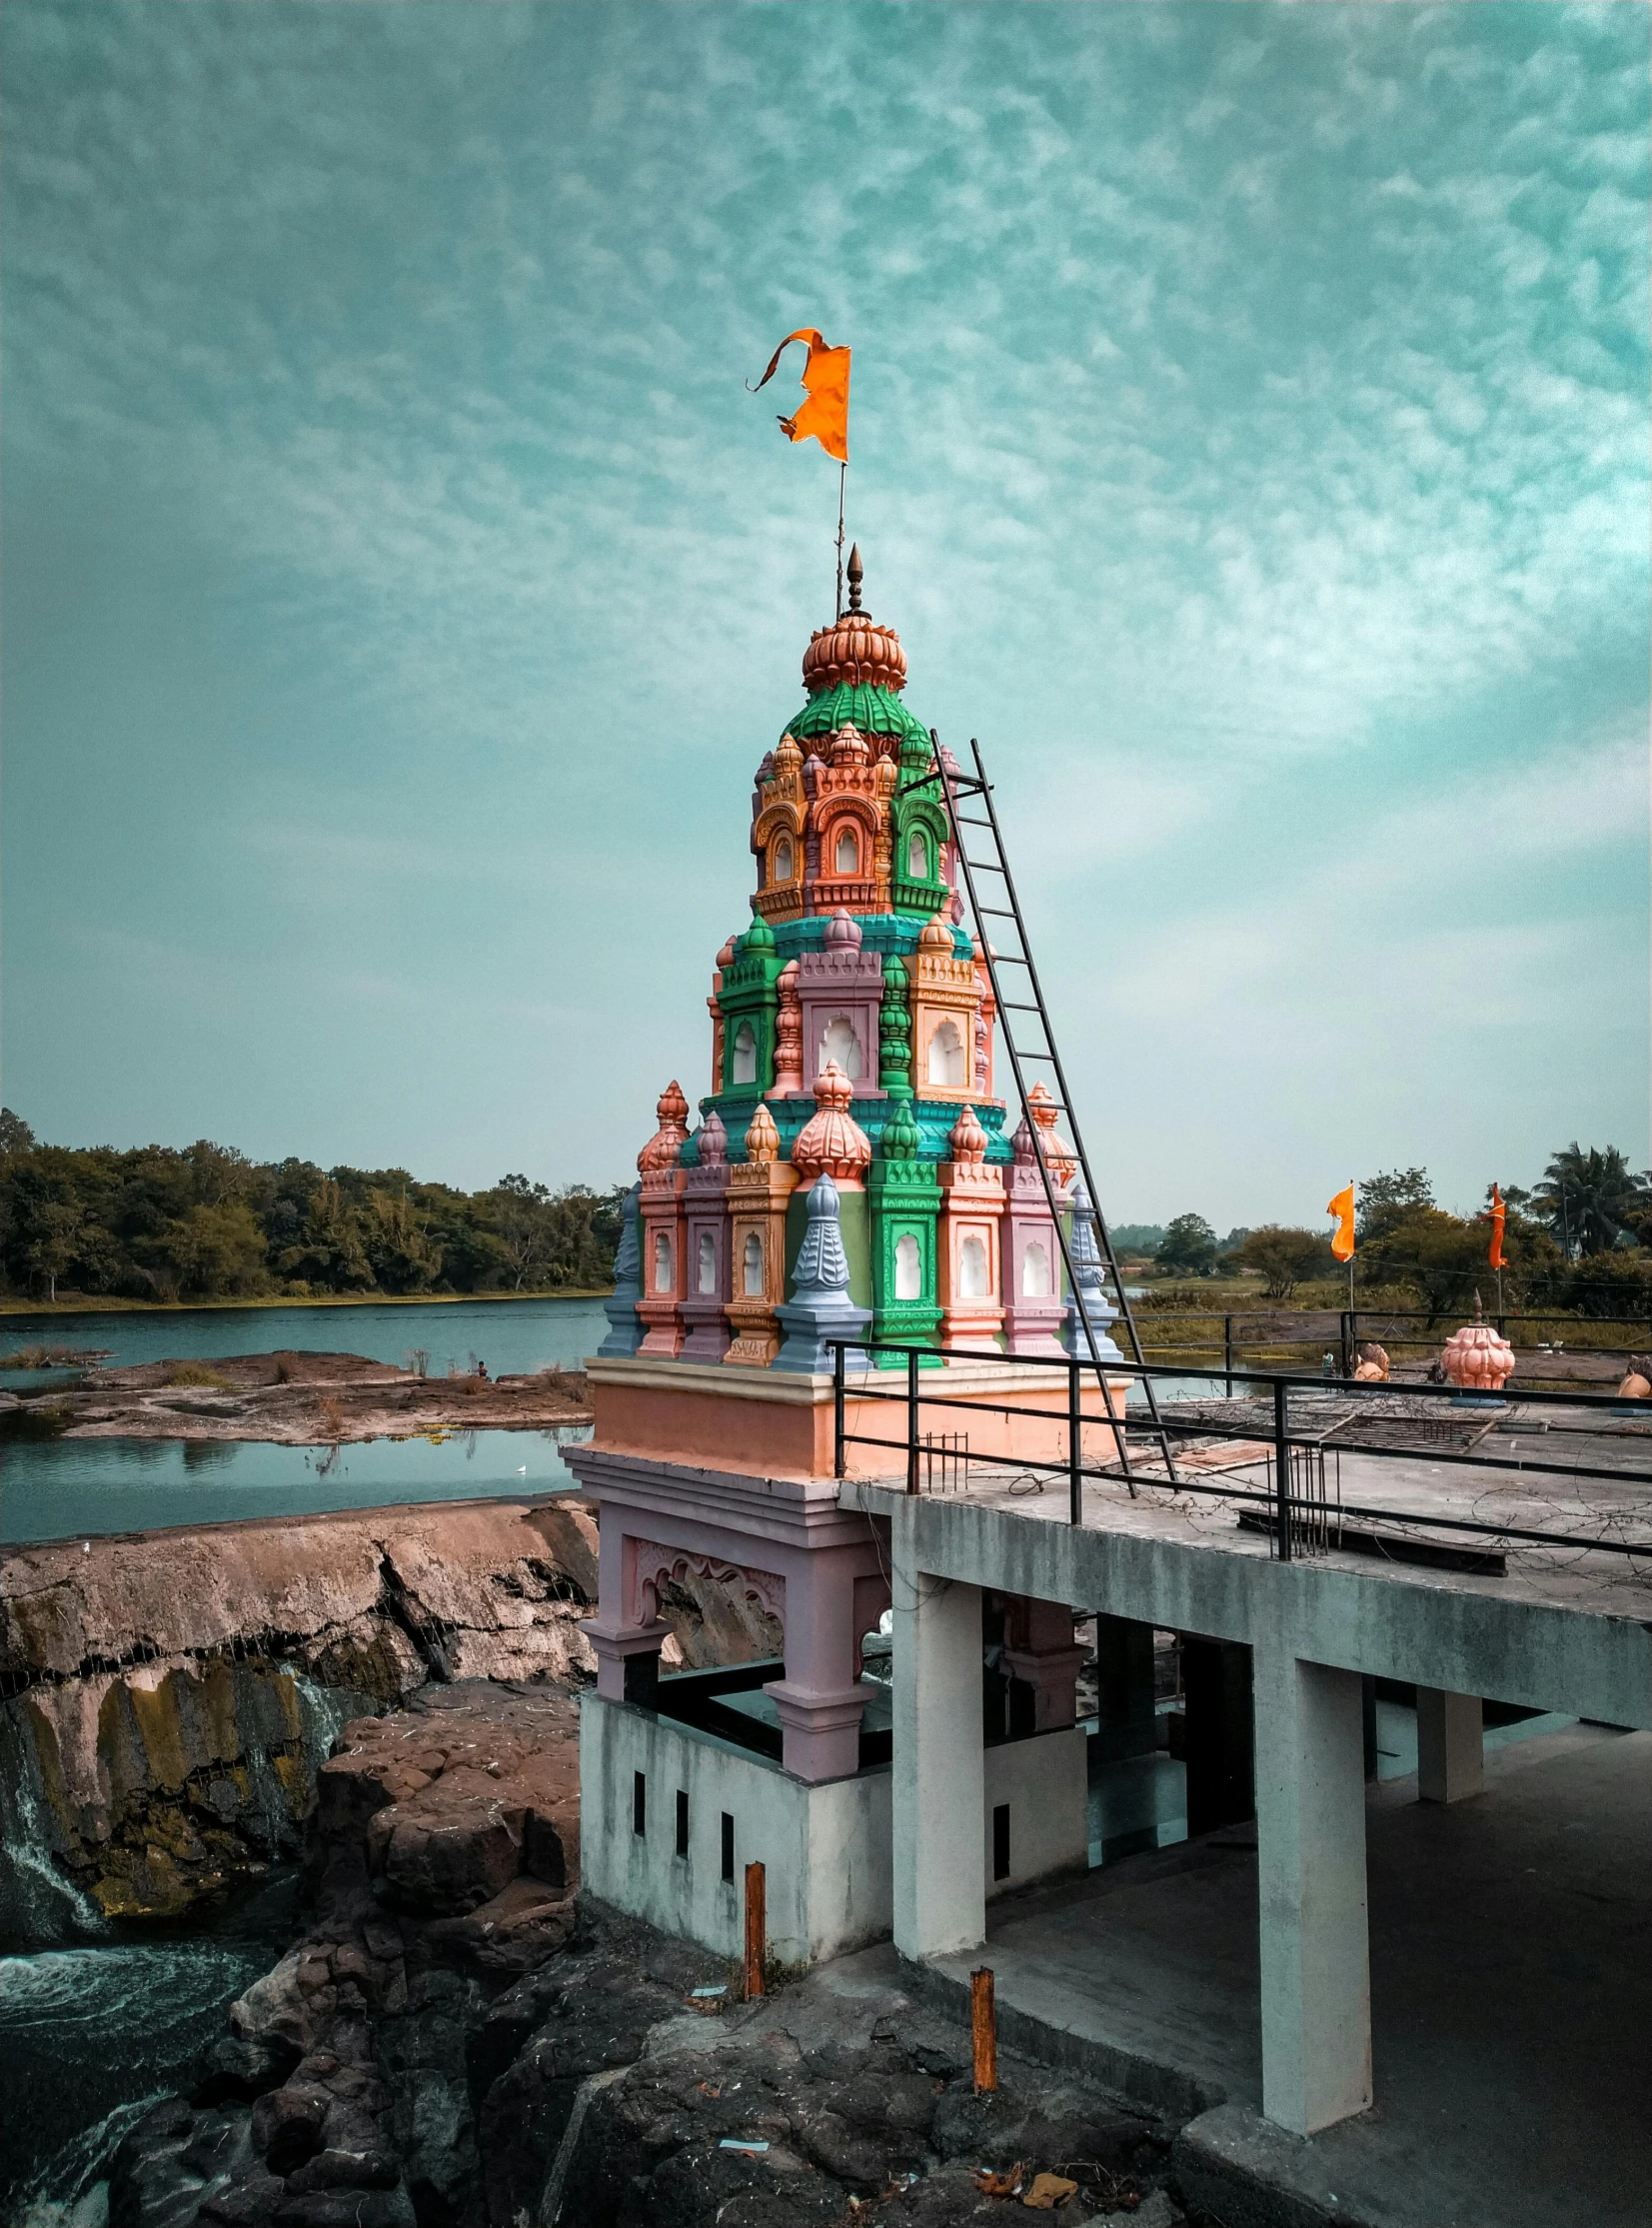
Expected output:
(984, 2030)
(1227, 1352)
(1281, 1466)
(911, 1420)
(837, 1411)
(1075, 1446)
(1347, 1341)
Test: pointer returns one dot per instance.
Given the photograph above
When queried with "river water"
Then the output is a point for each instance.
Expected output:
(60, 1488)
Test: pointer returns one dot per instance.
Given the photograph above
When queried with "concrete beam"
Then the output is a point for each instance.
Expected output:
(1422, 1626)
(940, 1790)
(1310, 1837)
(1451, 1763)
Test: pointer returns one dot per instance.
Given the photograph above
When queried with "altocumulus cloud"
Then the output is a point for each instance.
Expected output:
(1250, 443)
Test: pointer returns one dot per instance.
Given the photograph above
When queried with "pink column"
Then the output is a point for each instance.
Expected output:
(1040, 1650)
(820, 1698)
(615, 1633)
(664, 1238)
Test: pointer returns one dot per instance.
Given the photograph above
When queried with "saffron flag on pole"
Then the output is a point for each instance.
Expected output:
(1342, 1242)
(824, 416)
(1497, 1212)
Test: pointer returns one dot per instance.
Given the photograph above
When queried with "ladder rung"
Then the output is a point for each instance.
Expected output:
(1010, 1005)
(963, 819)
(1008, 958)
(983, 866)
(1047, 1057)
(996, 912)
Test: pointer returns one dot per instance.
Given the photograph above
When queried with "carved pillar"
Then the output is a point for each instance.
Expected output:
(705, 1227)
(1035, 1310)
(789, 1037)
(660, 1214)
(971, 1287)
(758, 1191)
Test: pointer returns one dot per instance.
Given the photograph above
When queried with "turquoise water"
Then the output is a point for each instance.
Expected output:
(81, 1488)
(512, 1337)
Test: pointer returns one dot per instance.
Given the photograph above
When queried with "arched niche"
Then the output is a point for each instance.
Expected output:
(845, 849)
(742, 1058)
(917, 855)
(945, 1059)
(974, 1278)
(908, 1268)
(840, 1042)
(752, 1265)
(662, 1261)
(705, 1267)
(1035, 1276)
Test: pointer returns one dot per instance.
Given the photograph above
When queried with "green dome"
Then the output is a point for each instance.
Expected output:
(873, 711)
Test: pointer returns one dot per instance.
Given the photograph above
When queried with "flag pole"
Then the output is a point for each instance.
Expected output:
(842, 474)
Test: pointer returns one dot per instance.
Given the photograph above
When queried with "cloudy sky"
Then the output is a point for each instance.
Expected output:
(1250, 444)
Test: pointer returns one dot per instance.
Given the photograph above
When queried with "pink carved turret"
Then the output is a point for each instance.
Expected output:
(660, 1210)
(971, 1206)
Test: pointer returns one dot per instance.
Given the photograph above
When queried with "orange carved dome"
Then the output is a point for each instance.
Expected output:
(856, 651)
(831, 1142)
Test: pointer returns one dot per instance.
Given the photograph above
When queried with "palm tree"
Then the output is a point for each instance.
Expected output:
(1587, 1197)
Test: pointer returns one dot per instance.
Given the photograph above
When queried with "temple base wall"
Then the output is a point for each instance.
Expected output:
(825, 1849)
(777, 1422)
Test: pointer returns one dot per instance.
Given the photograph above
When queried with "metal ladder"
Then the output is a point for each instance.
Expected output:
(957, 785)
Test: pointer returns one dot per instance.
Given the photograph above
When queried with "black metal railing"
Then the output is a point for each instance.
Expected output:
(1290, 1518)
(1348, 1333)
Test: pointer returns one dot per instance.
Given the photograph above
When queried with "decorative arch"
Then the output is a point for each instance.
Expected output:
(657, 1566)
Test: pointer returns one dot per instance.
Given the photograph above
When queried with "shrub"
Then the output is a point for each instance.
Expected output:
(196, 1373)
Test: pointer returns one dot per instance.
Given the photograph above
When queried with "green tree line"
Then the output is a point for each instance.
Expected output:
(1579, 1239)
(203, 1223)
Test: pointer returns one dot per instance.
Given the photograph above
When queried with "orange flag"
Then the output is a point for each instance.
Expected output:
(824, 416)
(1342, 1207)
(1497, 1212)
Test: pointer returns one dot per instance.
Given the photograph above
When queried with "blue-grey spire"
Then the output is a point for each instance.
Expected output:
(819, 1307)
(1090, 1310)
(625, 1334)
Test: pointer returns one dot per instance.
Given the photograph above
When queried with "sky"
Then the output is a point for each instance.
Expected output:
(1249, 432)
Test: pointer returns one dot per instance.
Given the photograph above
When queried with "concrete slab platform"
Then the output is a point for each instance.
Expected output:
(1511, 1982)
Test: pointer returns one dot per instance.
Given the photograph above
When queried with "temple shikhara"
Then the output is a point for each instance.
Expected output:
(853, 1174)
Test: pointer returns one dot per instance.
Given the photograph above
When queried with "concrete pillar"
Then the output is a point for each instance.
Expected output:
(1216, 1735)
(1450, 1746)
(1310, 1830)
(1125, 1709)
(628, 1653)
(940, 1788)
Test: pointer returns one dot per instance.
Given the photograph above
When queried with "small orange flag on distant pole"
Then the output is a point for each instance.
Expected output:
(1497, 1214)
(1342, 1207)
(824, 416)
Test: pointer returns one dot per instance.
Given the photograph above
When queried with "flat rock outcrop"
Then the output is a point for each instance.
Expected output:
(308, 1399)
(170, 1697)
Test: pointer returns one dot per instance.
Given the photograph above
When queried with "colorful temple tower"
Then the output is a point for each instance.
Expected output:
(851, 1175)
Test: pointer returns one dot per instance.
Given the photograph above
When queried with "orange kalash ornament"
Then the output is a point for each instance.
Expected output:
(1476, 1357)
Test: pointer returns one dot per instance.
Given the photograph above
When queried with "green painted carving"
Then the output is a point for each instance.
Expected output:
(904, 1198)
(894, 1038)
(873, 711)
(919, 825)
(748, 996)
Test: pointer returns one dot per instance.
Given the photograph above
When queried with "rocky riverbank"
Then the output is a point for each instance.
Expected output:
(460, 2043)
(166, 1699)
(298, 1399)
